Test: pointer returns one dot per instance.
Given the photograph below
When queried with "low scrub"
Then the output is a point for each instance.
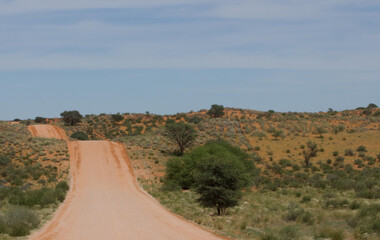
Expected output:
(18, 221)
(41, 197)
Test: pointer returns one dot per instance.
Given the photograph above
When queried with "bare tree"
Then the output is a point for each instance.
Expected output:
(183, 134)
(310, 152)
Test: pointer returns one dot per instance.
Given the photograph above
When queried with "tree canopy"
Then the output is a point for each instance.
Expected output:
(216, 111)
(320, 130)
(117, 117)
(216, 170)
(372, 105)
(71, 117)
(40, 120)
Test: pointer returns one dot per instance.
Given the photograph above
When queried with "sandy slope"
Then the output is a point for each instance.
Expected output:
(47, 131)
(105, 201)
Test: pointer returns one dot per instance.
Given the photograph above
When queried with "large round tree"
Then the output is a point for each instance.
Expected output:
(71, 117)
(216, 111)
(217, 171)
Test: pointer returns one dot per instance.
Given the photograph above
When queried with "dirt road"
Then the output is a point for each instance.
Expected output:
(48, 131)
(105, 201)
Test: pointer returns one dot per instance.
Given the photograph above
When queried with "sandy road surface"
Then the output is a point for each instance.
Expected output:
(47, 131)
(106, 203)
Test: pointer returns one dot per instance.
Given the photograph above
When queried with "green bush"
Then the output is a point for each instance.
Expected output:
(62, 185)
(216, 111)
(348, 152)
(4, 160)
(80, 135)
(18, 221)
(195, 120)
(117, 117)
(42, 197)
(40, 120)
(60, 190)
(361, 148)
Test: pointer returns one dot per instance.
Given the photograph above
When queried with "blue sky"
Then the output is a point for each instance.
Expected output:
(170, 56)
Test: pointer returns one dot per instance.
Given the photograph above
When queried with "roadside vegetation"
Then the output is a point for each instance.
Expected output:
(306, 184)
(33, 179)
(310, 175)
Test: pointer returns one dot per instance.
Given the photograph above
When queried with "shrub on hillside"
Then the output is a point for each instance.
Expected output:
(216, 111)
(348, 152)
(117, 117)
(40, 120)
(195, 120)
(4, 160)
(372, 105)
(80, 135)
(361, 148)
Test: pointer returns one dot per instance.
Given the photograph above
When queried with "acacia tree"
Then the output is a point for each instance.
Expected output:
(71, 117)
(372, 105)
(216, 111)
(320, 131)
(183, 134)
(218, 182)
(216, 170)
(117, 117)
(310, 152)
(40, 120)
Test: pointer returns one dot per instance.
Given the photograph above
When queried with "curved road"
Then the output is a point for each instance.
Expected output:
(105, 201)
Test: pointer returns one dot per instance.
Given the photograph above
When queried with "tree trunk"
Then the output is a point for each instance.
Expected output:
(307, 162)
(218, 211)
